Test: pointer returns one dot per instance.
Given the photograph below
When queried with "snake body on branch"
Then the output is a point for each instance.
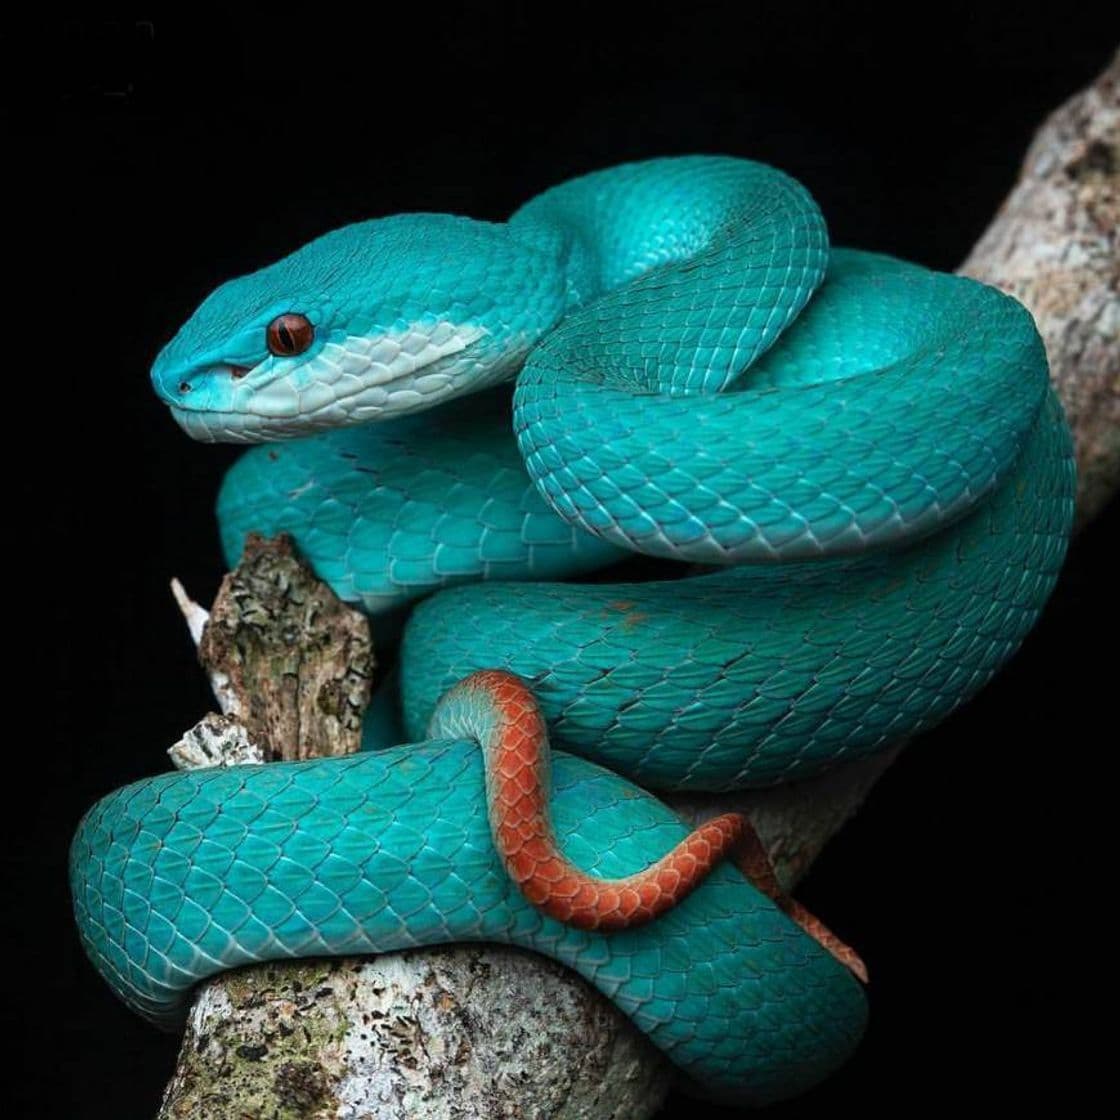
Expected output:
(865, 456)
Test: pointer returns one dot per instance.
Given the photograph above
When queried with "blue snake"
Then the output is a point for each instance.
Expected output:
(864, 459)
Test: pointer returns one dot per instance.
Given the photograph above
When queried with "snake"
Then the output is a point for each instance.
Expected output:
(855, 485)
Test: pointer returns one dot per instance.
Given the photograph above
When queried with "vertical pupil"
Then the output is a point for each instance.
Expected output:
(289, 334)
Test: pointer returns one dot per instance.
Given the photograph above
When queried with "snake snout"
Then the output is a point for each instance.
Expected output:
(214, 401)
(171, 380)
(191, 382)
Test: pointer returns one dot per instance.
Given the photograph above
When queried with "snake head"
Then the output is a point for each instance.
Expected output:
(368, 322)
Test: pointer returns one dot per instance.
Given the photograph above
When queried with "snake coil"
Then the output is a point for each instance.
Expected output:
(866, 456)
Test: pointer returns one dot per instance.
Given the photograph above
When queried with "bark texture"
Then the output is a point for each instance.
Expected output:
(1053, 245)
(296, 661)
(467, 1032)
(479, 1031)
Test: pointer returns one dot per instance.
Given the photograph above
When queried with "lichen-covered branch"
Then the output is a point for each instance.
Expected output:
(473, 1031)
(1055, 245)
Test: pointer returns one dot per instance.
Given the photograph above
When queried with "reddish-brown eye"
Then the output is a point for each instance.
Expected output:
(289, 334)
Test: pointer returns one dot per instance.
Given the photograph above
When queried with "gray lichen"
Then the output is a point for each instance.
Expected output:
(216, 740)
(261, 1042)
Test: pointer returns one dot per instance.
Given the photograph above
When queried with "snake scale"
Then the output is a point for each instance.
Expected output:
(863, 458)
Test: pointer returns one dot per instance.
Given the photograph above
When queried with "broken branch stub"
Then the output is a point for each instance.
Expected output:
(298, 659)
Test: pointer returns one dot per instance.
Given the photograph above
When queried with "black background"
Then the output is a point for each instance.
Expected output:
(168, 157)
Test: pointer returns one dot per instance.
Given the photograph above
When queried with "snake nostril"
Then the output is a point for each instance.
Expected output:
(184, 386)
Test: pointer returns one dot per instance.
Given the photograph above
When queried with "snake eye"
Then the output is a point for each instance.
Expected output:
(289, 334)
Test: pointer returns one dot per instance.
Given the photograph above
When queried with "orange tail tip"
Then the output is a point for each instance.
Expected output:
(514, 739)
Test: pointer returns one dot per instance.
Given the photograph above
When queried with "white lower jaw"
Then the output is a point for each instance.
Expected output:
(272, 415)
(236, 427)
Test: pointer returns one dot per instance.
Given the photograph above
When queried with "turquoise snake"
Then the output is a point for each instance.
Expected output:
(866, 454)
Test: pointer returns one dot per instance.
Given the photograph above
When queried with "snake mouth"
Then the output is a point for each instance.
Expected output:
(277, 412)
(214, 426)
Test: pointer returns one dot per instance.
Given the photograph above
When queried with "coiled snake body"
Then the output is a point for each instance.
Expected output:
(866, 454)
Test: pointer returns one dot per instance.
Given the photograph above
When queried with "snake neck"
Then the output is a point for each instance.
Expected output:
(695, 264)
